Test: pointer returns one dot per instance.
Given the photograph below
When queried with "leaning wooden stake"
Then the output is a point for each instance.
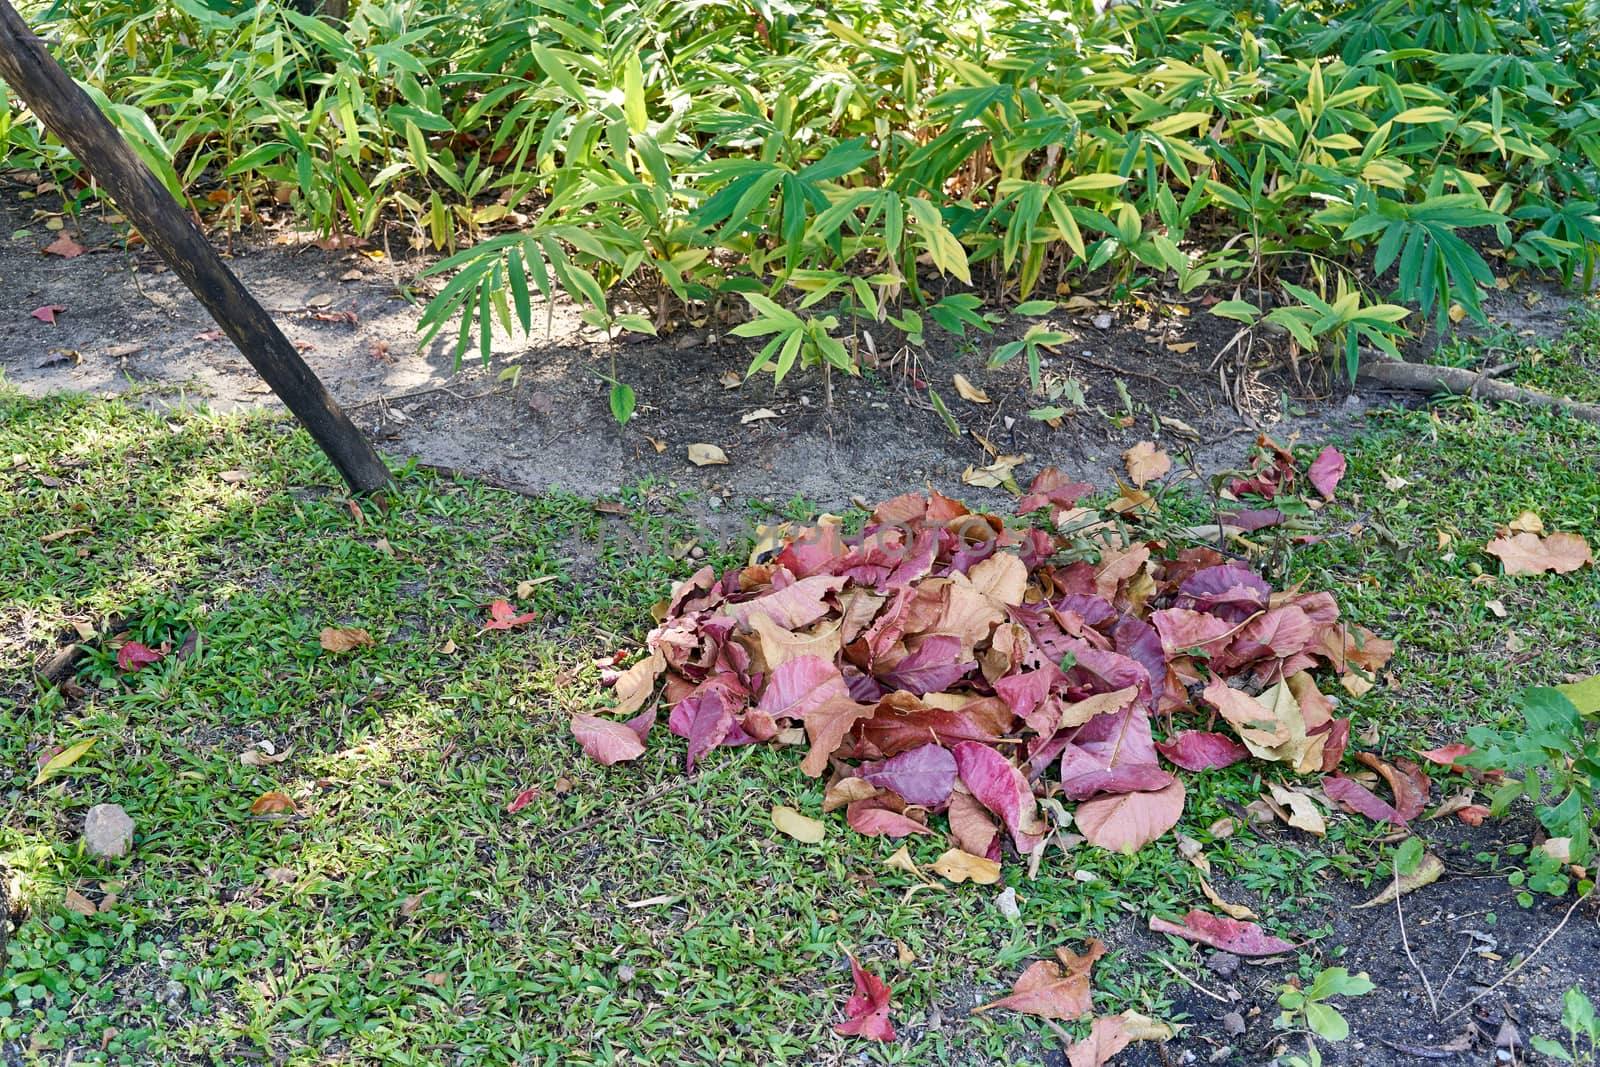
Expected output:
(47, 89)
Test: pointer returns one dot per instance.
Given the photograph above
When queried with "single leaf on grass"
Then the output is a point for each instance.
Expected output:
(958, 866)
(1233, 911)
(867, 1009)
(704, 455)
(63, 759)
(1326, 470)
(1446, 755)
(923, 775)
(1229, 935)
(272, 804)
(47, 313)
(79, 903)
(502, 616)
(1110, 1034)
(522, 800)
(1527, 553)
(133, 656)
(1146, 462)
(1303, 811)
(970, 392)
(1197, 750)
(1127, 822)
(1053, 990)
(1427, 872)
(791, 823)
(872, 821)
(337, 640)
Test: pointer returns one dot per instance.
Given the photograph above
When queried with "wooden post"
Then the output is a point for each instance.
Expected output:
(47, 89)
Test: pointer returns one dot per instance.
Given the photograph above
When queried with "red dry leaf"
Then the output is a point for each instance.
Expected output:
(1230, 935)
(1001, 788)
(870, 818)
(1446, 755)
(133, 656)
(1473, 814)
(1197, 750)
(1326, 470)
(272, 804)
(868, 1007)
(522, 800)
(47, 313)
(502, 616)
(65, 247)
(1051, 487)
(1406, 781)
(1358, 798)
(1053, 990)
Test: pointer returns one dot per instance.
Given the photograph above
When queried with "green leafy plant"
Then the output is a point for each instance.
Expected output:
(1554, 761)
(1583, 1032)
(1309, 1006)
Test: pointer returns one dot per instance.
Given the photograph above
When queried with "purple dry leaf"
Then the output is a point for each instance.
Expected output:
(932, 668)
(1230, 935)
(1326, 470)
(923, 776)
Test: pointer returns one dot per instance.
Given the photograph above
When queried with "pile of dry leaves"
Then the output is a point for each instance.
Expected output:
(942, 662)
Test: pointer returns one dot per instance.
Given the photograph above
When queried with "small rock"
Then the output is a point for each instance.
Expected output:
(697, 552)
(935, 1020)
(625, 974)
(1233, 1023)
(714, 503)
(174, 994)
(1223, 964)
(1102, 321)
(1007, 903)
(107, 831)
(351, 276)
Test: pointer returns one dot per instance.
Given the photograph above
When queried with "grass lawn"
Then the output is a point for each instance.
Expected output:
(629, 915)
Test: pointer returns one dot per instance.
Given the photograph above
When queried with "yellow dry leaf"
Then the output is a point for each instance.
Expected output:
(1427, 872)
(1527, 522)
(792, 823)
(958, 866)
(1303, 811)
(1237, 911)
(659, 446)
(968, 391)
(704, 455)
(995, 475)
(1182, 346)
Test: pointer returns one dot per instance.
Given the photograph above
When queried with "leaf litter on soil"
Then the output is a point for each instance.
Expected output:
(949, 663)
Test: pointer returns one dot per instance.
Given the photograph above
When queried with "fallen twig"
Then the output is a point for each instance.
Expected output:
(1192, 983)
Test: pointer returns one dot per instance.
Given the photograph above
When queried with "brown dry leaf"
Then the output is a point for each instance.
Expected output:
(1222, 829)
(659, 446)
(968, 391)
(1110, 1034)
(1182, 346)
(902, 861)
(1527, 553)
(704, 455)
(847, 791)
(903, 953)
(1355, 685)
(408, 907)
(272, 804)
(61, 535)
(79, 903)
(730, 380)
(1527, 522)
(1146, 462)
(438, 979)
(232, 477)
(448, 648)
(1237, 911)
(757, 415)
(281, 875)
(1194, 852)
(958, 866)
(1427, 872)
(792, 823)
(338, 640)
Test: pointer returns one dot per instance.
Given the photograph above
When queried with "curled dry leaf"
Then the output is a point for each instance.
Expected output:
(704, 455)
(1526, 553)
(958, 866)
(867, 1010)
(272, 804)
(792, 824)
(754, 416)
(339, 640)
(256, 756)
(968, 391)
(1110, 1034)
(1527, 522)
(1233, 911)
(1427, 872)
(1146, 463)
(1303, 811)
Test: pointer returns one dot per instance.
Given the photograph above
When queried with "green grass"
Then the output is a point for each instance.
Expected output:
(625, 915)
